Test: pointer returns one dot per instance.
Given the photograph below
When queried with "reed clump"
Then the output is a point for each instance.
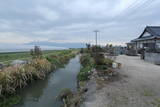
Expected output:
(59, 60)
(16, 77)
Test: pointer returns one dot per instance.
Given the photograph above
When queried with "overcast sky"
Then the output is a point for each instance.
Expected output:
(119, 21)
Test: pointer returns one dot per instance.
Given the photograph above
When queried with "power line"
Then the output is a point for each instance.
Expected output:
(135, 5)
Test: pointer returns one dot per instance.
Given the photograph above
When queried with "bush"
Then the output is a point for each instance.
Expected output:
(42, 67)
(6, 82)
(85, 59)
(87, 64)
(60, 59)
(99, 59)
(18, 77)
(84, 73)
(97, 49)
(36, 52)
(65, 93)
(83, 76)
(10, 101)
(108, 62)
(94, 59)
(101, 67)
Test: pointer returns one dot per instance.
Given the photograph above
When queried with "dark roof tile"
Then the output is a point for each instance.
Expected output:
(155, 30)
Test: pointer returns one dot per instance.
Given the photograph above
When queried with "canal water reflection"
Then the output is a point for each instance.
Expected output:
(43, 93)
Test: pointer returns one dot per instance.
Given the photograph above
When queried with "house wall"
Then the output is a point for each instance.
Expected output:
(153, 57)
(140, 43)
(158, 44)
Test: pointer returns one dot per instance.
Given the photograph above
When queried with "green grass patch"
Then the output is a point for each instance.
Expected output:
(10, 101)
(148, 93)
(87, 64)
(156, 102)
(8, 57)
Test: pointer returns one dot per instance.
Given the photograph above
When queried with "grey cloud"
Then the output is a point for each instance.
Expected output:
(74, 20)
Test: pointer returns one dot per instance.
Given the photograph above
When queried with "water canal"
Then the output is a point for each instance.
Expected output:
(43, 93)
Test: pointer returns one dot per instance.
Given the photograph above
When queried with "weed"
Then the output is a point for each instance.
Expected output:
(10, 101)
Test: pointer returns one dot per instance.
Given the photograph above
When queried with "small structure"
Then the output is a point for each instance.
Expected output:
(18, 62)
(131, 49)
(119, 50)
(148, 44)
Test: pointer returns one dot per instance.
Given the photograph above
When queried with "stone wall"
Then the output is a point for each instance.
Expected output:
(152, 57)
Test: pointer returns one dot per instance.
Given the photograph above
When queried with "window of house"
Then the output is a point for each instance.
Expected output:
(158, 45)
(141, 45)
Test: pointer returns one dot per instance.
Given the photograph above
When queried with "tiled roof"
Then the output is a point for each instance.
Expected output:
(153, 30)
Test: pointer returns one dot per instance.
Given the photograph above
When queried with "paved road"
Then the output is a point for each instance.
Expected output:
(139, 86)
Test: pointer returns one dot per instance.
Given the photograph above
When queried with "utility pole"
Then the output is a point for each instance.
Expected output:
(96, 33)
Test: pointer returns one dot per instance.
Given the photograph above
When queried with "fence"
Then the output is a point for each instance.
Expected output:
(153, 57)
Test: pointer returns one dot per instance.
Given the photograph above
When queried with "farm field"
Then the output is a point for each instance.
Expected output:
(8, 57)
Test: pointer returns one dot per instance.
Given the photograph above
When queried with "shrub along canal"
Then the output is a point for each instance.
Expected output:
(43, 93)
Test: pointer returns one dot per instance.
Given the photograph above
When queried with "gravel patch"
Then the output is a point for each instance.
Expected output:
(139, 86)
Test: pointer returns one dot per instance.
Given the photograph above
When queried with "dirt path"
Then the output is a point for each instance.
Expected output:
(139, 86)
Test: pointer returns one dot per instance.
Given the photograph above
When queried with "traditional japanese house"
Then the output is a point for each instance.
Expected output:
(149, 39)
(147, 44)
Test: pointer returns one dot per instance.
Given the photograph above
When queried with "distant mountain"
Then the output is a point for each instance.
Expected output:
(55, 44)
(11, 47)
(44, 45)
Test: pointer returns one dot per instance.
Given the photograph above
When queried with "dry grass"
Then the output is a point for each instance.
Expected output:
(17, 77)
